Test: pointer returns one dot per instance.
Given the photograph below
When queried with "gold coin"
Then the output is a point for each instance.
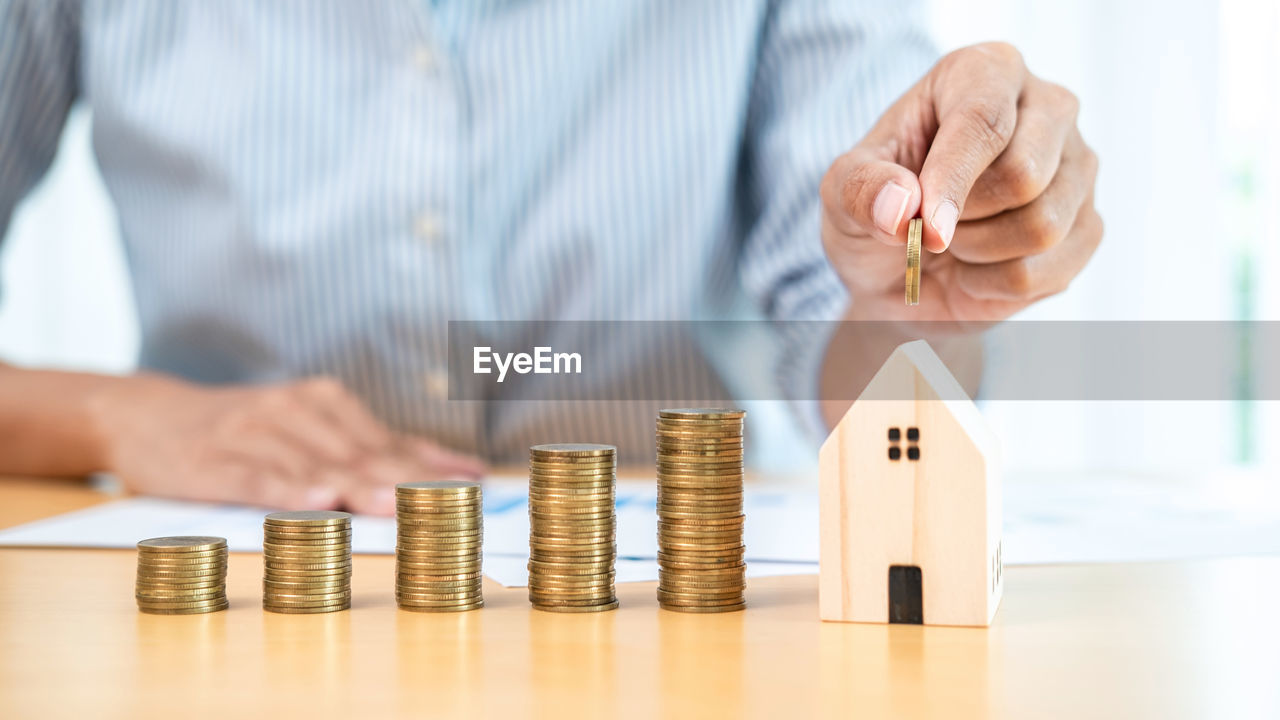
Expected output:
(684, 598)
(439, 553)
(167, 587)
(439, 486)
(156, 577)
(303, 601)
(570, 583)
(702, 609)
(315, 557)
(612, 605)
(208, 594)
(410, 582)
(427, 565)
(686, 592)
(424, 517)
(198, 610)
(412, 607)
(702, 414)
(424, 603)
(183, 543)
(202, 561)
(699, 442)
(181, 604)
(309, 518)
(284, 610)
(572, 450)
(603, 463)
(445, 547)
(298, 566)
(702, 525)
(592, 597)
(310, 570)
(191, 611)
(444, 502)
(915, 234)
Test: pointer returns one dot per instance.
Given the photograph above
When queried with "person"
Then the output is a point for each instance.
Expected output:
(308, 194)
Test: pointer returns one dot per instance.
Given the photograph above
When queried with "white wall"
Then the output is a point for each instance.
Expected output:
(65, 298)
(1166, 90)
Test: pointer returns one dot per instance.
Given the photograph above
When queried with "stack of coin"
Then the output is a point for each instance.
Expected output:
(915, 234)
(182, 575)
(306, 561)
(439, 530)
(701, 554)
(572, 527)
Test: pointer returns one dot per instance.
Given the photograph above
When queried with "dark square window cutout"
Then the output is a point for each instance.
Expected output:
(913, 453)
(913, 434)
(895, 452)
(895, 434)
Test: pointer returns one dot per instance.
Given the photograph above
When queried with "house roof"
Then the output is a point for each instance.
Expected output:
(915, 372)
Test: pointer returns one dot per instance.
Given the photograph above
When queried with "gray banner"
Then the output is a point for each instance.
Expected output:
(675, 361)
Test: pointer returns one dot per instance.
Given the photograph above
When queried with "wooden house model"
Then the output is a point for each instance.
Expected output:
(910, 502)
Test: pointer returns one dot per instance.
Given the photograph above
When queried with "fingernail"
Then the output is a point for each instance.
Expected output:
(944, 221)
(321, 497)
(890, 206)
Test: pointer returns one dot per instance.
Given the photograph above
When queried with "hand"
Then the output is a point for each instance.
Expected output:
(308, 445)
(991, 157)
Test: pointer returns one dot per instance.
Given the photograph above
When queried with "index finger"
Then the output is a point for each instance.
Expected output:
(976, 103)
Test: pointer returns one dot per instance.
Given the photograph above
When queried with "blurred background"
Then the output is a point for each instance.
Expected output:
(1180, 103)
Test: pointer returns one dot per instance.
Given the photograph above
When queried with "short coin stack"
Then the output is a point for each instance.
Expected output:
(572, 527)
(701, 553)
(182, 575)
(439, 532)
(306, 561)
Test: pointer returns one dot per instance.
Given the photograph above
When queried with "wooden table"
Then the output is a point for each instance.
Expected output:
(1162, 640)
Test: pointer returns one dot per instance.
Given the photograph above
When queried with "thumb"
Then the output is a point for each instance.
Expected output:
(866, 194)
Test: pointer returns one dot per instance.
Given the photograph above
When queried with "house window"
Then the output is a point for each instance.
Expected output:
(895, 443)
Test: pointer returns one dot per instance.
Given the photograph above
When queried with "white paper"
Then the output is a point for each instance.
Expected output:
(123, 523)
(1062, 519)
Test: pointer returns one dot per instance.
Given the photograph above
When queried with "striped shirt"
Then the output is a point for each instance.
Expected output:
(319, 187)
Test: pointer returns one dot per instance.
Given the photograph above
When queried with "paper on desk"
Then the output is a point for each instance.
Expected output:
(1063, 519)
(782, 526)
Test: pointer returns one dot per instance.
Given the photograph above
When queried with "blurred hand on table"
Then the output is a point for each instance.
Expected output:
(304, 445)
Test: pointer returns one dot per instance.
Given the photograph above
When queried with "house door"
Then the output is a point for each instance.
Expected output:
(905, 604)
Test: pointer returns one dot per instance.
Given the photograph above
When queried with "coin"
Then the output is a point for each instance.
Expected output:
(296, 610)
(915, 233)
(183, 543)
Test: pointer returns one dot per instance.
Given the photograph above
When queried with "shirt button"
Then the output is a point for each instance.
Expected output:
(436, 383)
(424, 58)
(428, 227)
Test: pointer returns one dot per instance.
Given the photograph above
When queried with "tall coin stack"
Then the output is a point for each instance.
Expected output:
(572, 527)
(306, 561)
(182, 575)
(439, 533)
(701, 555)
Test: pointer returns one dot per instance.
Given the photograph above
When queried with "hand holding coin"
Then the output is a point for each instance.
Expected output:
(990, 159)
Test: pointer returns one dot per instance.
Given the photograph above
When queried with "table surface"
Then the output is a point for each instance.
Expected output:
(1191, 639)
